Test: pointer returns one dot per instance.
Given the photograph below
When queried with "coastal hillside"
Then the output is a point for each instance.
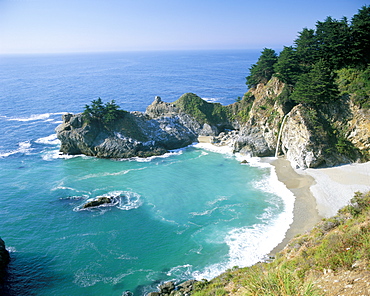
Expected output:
(310, 103)
(332, 259)
(314, 93)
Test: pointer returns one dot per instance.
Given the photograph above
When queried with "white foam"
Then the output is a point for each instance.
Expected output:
(132, 201)
(149, 159)
(123, 200)
(50, 155)
(180, 272)
(211, 100)
(49, 140)
(99, 175)
(35, 117)
(227, 150)
(249, 245)
(24, 148)
(11, 249)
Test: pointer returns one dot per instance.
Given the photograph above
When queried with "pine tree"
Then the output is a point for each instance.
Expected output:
(262, 71)
(317, 86)
(360, 32)
(287, 67)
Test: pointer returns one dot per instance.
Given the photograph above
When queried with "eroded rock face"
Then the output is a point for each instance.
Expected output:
(258, 136)
(305, 142)
(134, 134)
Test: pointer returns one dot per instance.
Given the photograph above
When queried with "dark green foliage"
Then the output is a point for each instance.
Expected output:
(332, 45)
(288, 67)
(104, 113)
(316, 86)
(262, 71)
(306, 47)
(333, 41)
(202, 111)
(361, 36)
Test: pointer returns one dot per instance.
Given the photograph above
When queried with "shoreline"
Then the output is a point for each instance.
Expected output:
(319, 193)
(305, 214)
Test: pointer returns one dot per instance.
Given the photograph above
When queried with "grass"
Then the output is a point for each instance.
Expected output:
(336, 243)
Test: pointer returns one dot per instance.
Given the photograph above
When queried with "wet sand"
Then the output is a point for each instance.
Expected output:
(305, 214)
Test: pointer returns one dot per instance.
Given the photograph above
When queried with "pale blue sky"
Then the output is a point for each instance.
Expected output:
(40, 26)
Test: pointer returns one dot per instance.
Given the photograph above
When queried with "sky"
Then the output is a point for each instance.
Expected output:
(65, 26)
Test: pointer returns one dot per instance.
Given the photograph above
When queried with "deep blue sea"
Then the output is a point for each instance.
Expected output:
(191, 213)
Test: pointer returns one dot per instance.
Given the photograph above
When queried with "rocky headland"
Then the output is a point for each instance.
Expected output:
(260, 124)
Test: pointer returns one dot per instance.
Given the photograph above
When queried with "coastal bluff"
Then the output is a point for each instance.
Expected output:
(259, 124)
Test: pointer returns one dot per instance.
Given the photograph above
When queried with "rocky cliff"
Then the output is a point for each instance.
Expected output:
(161, 128)
(261, 124)
(328, 135)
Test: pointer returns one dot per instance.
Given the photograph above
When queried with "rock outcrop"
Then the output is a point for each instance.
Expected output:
(171, 289)
(328, 135)
(258, 136)
(161, 129)
(4, 259)
(259, 125)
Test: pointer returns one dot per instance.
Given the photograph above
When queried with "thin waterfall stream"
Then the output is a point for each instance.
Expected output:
(279, 136)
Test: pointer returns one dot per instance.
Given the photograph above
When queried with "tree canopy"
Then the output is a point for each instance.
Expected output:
(263, 70)
(105, 113)
(311, 65)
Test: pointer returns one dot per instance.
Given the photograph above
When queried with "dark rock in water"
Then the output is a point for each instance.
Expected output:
(98, 202)
(4, 259)
(244, 162)
(171, 289)
(167, 288)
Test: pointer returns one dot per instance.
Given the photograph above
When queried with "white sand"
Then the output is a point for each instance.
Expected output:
(334, 187)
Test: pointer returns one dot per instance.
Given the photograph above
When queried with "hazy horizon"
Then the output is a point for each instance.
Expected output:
(53, 26)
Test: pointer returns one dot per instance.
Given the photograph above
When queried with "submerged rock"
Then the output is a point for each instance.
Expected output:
(98, 202)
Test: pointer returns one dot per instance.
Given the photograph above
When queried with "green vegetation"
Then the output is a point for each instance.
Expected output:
(202, 111)
(356, 83)
(334, 48)
(263, 70)
(104, 113)
(336, 243)
(316, 87)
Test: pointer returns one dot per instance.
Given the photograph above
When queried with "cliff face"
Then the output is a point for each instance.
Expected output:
(325, 135)
(258, 136)
(161, 129)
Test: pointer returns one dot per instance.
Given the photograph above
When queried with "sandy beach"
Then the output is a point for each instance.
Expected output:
(319, 193)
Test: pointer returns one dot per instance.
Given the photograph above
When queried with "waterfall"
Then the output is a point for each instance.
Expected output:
(279, 136)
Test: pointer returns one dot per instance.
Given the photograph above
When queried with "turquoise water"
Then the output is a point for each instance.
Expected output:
(191, 213)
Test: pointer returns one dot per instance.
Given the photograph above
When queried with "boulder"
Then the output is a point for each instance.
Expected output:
(98, 202)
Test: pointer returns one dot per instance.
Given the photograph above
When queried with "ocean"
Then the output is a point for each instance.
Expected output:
(191, 213)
